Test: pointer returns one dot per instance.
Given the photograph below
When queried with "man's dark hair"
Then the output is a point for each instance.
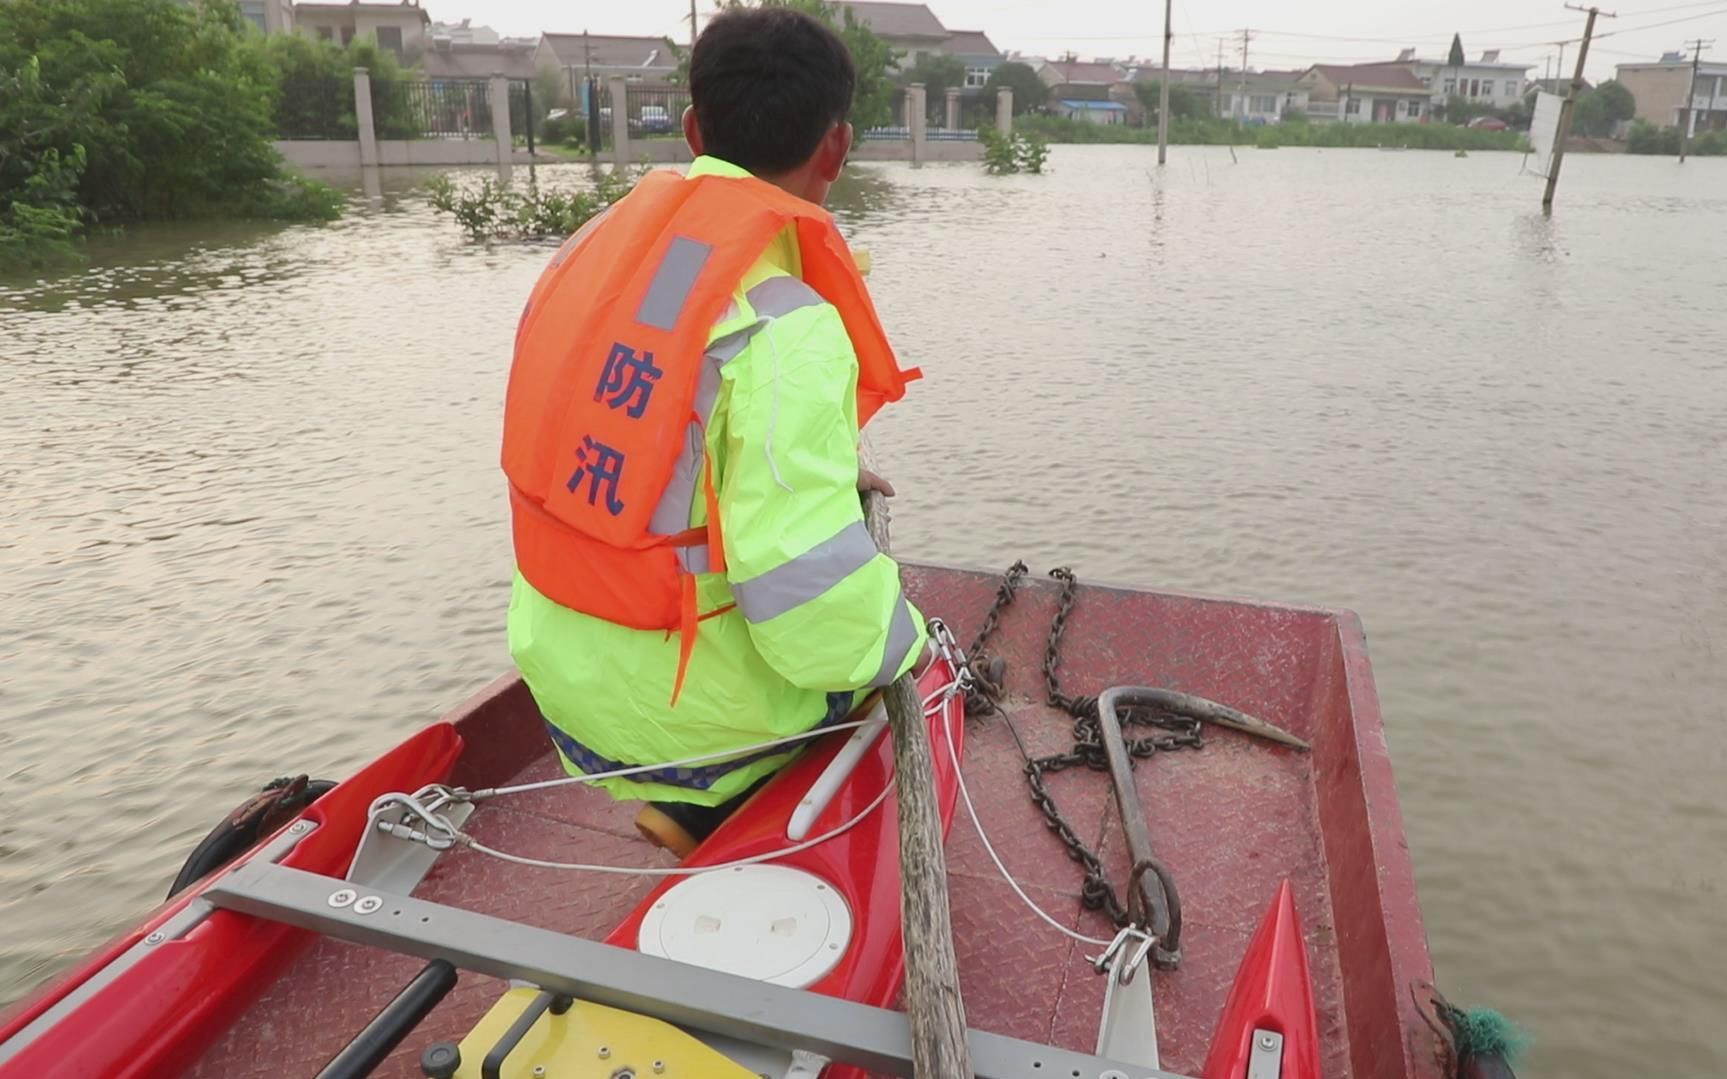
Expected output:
(767, 83)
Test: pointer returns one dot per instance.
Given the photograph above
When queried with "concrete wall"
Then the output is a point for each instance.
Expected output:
(367, 150)
(676, 152)
(322, 154)
(437, 152)
(345, 154)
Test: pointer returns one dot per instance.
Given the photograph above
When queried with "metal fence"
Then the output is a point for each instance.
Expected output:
(656, 111)
(598, 99)
(447, 109)
(316, 109)
(524, 116)
(951, 134)
(886, 134)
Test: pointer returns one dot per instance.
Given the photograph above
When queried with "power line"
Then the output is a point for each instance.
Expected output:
(1418, 39)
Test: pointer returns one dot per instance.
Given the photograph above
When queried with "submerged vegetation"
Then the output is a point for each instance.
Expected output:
(1018, 152)
(493, 210)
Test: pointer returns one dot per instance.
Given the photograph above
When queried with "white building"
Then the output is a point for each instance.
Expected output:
(1488, 81)
(1263, 97)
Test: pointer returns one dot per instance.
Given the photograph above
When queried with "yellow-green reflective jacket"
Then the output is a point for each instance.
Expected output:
(816, 611)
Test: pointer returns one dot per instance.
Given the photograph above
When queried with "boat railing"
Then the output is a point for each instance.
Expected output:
(714, 1002)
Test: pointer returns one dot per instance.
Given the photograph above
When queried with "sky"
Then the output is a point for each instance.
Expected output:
(1285, 35)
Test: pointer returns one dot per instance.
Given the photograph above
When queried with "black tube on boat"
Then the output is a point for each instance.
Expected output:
(387, 1029)
(493, 1066)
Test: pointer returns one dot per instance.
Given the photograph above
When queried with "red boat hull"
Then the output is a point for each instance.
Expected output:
(160, 1012)
(242, 998)
(1272, 992)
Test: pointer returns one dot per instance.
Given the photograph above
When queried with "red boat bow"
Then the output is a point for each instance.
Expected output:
(1272, 994)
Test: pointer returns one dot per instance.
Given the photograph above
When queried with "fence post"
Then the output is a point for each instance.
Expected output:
(1004, 110)
(500, 94)
(919, 122)
(620, 121)
(952, 108)
(363, 118)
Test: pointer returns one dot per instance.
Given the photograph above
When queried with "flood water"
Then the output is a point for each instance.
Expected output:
(251, 521)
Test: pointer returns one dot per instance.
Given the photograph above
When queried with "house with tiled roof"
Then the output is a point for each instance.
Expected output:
(1379, 93)
(467, 60)
(1095, 91)
(977, 52)
(912, 30)
(639, 59)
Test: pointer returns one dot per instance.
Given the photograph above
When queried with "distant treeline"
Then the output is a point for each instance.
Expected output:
(1646, 138)
(1224, 133)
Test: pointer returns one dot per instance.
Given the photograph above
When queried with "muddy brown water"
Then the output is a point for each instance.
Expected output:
(251, 520)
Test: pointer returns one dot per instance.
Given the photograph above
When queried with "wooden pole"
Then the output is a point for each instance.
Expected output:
(1163, 91)
(1567, 110)
(932, 997)
(1690, 120)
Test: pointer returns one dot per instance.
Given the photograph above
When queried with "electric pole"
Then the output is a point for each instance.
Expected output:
(692, 24)
(1690, 121)
(591, 109)
(1570, 106)
(1246, 36)
(1162, 91)
(1217, 102)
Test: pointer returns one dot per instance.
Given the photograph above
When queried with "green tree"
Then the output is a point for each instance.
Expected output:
(1029, 91)
(152, 108)
(1183, 103)
(872, 101)
(1646, 138)
(937, 73)
(1600, 111)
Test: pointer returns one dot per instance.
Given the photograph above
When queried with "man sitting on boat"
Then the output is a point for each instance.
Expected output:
(694, 577)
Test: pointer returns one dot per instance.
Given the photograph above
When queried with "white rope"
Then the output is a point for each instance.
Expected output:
(681, 870)
(938, 698)
(638, 769)
(947, 689)
(989, 848)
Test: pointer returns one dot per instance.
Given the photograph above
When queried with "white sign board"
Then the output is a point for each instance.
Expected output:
(1544, 130)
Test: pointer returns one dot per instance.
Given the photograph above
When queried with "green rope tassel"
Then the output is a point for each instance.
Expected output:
(1480, 1042)
(1483, 1032)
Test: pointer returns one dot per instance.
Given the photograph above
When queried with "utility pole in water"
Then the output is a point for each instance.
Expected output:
(1162, 91)
(1697, 47)
(1217, 102)
(1570, 106)
(1246, 36)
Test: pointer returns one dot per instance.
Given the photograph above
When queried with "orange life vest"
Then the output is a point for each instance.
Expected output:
(602, 392)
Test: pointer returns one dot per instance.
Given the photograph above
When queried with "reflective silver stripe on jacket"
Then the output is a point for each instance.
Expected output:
(808, 576)
(901, 639)
(674, 280)
(773, 298)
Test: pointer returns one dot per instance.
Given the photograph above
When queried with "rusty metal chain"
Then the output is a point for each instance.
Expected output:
(987, 675)
(1170, 733)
